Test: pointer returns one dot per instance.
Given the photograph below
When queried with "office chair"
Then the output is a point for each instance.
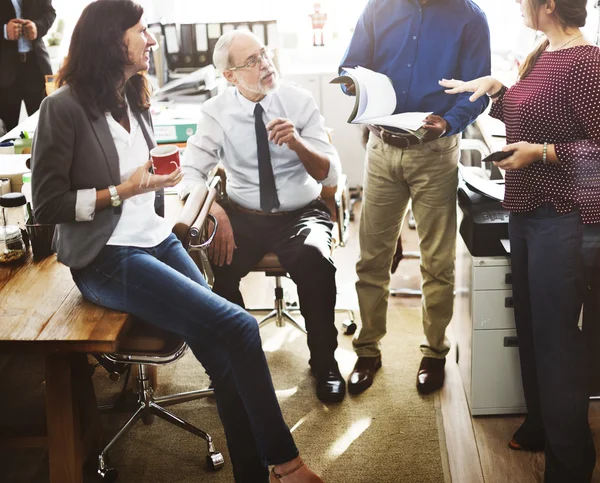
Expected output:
(144, 345)
(339, 204)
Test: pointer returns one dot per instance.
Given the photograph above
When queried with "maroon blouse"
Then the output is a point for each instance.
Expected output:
(558, 103)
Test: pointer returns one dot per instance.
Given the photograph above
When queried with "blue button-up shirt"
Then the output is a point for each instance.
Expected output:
(23, 44)
(417, 45)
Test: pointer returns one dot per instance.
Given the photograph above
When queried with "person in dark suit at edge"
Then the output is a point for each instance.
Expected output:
(24, 60)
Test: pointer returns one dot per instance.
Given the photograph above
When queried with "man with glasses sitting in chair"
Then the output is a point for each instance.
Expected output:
(273, 145)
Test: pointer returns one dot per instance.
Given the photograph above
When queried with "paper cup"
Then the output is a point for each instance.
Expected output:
(165, 158)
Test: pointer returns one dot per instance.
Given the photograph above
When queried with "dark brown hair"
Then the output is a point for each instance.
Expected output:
(95, 64)
(569, 13)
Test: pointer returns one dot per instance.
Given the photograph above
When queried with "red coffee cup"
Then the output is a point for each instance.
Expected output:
(165, 158)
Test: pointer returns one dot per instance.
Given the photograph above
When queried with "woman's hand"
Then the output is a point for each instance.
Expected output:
(142, 181)
(481, 86)
(523, 155)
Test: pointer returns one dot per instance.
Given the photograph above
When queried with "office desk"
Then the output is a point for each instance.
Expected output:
(43, 312)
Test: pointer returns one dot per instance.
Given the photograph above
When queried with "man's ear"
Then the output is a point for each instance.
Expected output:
(230, 76)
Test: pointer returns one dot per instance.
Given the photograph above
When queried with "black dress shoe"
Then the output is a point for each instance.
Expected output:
(431, 375)
(363, 374)
(331, 386)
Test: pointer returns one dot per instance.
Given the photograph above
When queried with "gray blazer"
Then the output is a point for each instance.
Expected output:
(70, 152)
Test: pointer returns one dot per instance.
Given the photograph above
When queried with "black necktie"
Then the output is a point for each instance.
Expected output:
(268, 192)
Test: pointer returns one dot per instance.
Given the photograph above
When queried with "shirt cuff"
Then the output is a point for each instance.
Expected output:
(332, 175)
(85, 205)
(5, 32)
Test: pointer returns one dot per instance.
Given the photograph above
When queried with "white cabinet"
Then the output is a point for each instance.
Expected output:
(485, 335)
(335, 107)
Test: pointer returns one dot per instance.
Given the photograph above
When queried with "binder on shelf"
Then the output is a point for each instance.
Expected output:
(258, 29)
(172, 45)
(272, 34)
(227, 27)
(214, 32)
(187, 45)
(201, 51)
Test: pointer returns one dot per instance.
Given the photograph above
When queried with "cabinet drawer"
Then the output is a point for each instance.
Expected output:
(496, 386)
(492, 278)
(492, 309)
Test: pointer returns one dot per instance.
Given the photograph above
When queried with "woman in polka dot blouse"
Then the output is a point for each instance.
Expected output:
(552, 117)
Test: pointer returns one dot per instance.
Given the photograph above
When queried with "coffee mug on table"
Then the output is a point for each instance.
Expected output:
(165, 158)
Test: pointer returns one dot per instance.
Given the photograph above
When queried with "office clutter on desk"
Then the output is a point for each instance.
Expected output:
(485, 221)
(12, 167)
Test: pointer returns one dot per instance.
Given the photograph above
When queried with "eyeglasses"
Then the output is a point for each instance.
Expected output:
(266, 54)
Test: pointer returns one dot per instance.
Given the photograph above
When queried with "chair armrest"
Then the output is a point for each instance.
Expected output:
(189, 213)
(337, 199)
(200, 223)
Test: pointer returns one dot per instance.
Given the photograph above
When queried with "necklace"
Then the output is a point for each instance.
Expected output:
(567, 43)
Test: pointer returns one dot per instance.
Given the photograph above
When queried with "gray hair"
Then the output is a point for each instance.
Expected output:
(221, 52)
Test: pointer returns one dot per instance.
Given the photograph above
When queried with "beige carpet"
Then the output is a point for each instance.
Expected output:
(387, 434)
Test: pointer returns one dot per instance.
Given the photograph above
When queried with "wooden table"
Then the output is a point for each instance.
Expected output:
(42, 311)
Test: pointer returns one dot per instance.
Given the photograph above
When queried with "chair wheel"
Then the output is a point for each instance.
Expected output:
(215, 461)
(109, 475)
(349, 327)
(147, 418)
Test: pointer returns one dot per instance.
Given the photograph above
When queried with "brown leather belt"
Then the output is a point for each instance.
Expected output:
(258, 212)
(398, 140)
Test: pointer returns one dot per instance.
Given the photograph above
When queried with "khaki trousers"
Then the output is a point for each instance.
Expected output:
(427, 175)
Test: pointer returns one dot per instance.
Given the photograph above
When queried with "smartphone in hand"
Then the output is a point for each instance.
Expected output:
(497, 156)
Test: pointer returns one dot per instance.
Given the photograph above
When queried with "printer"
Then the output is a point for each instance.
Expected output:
(484, 223)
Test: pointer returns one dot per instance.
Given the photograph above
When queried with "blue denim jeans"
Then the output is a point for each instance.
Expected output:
(548, 290)
(163, 286)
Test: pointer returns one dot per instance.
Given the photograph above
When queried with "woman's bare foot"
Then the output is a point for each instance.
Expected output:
(294, 471)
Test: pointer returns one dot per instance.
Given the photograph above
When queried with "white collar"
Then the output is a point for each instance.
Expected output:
(249, 106)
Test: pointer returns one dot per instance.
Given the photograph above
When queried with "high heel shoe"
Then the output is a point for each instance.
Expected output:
(311, 477)
(534, 446)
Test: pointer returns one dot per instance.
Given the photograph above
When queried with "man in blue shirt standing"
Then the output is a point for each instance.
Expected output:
(415, 43)
(24, 59)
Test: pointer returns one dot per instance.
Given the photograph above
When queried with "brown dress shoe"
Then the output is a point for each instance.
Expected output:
(431, 375)
(363, 374)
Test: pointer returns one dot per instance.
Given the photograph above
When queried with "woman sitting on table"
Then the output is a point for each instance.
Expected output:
(91, 177)
(552, 190)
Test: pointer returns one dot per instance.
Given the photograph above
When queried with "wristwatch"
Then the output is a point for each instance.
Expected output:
(115, 199)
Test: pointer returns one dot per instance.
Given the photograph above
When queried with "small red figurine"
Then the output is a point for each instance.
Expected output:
(318, 22)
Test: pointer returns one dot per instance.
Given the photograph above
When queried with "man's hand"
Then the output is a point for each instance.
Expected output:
(436, 127)
(221, 249)
(30, 30)
(14, 29)
(524, 154)
(351, 88)
(282, 131)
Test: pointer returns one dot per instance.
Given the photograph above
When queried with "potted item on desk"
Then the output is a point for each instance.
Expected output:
(13, 235)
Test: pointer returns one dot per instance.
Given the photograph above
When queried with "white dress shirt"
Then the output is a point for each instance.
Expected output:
(139, 225)
(226, 133)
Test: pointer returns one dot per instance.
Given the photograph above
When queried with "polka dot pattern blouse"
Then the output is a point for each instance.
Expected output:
(558, 103)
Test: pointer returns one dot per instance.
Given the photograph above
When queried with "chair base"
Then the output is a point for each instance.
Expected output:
(281, 315)
(148, 406)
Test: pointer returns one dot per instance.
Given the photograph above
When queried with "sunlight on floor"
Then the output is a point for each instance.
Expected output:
(353, 432)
